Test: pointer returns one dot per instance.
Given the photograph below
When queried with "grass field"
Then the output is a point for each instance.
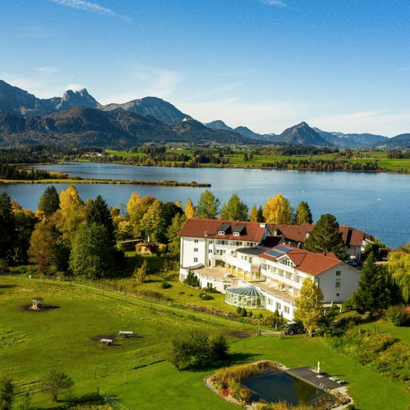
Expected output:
(62, 338)
(237, 158)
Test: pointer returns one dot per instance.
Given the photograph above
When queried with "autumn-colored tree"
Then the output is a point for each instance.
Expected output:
(303, 214)
(136, 209)
(278, 210)
(71, 215)
(309, 305)
(189, 210)
(256, 214)
(133, 207)
(43, 245)
(152, 224)
(234, 209)
(399, 267)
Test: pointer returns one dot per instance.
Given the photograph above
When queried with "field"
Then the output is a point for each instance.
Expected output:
(134, 370)
(237, 158)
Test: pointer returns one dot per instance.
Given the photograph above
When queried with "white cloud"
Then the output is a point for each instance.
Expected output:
(48, 70)
(404, 69)
(144, 82)
(74, 87)
(91, 8)
(279, 3)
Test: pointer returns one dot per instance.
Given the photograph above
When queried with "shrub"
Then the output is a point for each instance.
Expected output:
(220, 347)
(397, 315)
(192, 280)
(241, 393)
(351, 407)
(244, 313)
(152, 295)
(166, 285)
(205, 296)
(250, 314)
(239, 310)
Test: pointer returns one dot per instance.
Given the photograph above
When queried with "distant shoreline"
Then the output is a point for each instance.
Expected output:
(104, 181)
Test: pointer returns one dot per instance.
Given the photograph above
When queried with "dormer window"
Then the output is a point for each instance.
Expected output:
(236, 234)
(223, 229)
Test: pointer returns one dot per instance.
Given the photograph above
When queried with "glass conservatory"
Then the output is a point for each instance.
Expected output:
(248, 297)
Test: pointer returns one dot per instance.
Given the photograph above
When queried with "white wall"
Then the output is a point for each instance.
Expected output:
(188, 253)
(348, 280)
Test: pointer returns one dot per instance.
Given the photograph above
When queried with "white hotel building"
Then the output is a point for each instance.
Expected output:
(255, 269)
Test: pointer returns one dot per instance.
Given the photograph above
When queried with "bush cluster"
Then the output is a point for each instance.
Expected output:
(397, 315)
(382, 352)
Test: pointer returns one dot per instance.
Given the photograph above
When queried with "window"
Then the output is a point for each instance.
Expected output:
(338, 284)
(196, 241)
(211, 242)
(195, 260)
(278, 306)
(338, 273)
(209, 250)
(209, 285)
(286, 308)
(269, 302)
(250, 259)
(221, 232)
(238, 243)
(236, 234)
(195, 249)
(337, 294)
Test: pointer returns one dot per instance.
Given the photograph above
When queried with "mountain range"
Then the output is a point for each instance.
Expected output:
(78, 118)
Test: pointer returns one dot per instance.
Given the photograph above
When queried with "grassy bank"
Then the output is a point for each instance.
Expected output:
(79, 180)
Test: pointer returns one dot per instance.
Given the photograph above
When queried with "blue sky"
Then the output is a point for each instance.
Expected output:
(340, 65)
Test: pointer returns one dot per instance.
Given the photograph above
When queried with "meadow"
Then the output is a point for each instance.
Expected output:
(135, 371)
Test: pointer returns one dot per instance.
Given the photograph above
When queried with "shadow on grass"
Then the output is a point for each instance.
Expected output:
(93, 399)
(7, 286)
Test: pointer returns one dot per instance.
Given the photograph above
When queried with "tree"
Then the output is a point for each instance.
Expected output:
(168, 212)
(43, 245)
(71, 215)
(152, 224)
(399, 267)
(303, 214)
(278, 210)
(55, 383)
(7, 226)
(174, 242)
(208, 206)
(136, 209)
(50, 201)
(133, 207)
(325, 237)
(25, 223)
(141, 272)
(99, 213)
(189, 209)
(92, 253)
(7, 393)
(309, 305)
(256, 214)
(372, 292)
(234, 209)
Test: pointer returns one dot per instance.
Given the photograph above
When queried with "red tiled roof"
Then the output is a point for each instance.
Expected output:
(308, 262)
(297, 233)
(208, 228)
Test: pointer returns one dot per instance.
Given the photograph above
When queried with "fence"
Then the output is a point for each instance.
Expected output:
(111, 401)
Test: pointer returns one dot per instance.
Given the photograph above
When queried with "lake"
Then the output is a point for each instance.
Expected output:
(377, 203)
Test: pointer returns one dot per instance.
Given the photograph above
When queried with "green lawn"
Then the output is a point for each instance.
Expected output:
(32, 343)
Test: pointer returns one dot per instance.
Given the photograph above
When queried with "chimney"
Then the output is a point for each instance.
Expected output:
(206, 234)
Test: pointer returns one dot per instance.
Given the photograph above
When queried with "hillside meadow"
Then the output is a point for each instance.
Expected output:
(134, 370)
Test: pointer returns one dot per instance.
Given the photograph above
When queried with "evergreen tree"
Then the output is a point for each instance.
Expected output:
(50, 201)
(169, 210)
(234, 209)
(309, 305)
(7, 393)
(189, 209)
(256, 214)
(208, 206)
(303, 214)
(372, 292)
(25, 223)
(7, 227)
(99, 213)
(326, 237)
(92, 253)
(278, 211)
(174, 241)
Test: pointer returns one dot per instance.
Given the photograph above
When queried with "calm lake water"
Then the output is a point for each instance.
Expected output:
(376, 203)
(282, 387)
